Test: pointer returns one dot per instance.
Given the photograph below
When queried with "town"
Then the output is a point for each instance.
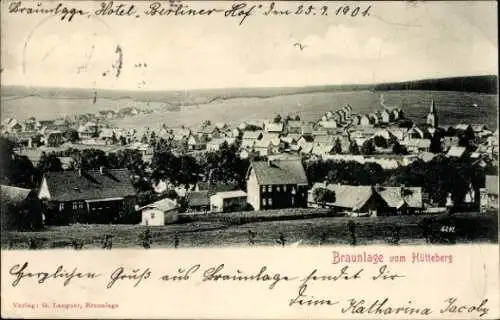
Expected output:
(82, 170)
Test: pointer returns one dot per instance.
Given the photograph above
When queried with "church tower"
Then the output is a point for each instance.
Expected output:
(432, 118)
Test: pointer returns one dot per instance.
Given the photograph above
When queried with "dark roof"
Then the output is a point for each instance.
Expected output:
(279, 172)
(13, 195)
(197, 198)
(217, 187)
(70, 186)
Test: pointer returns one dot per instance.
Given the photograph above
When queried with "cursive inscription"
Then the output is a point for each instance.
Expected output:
(303, 296)
(240, 11)
(21, 272)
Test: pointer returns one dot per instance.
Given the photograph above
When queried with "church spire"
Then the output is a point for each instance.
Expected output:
(432, 118)
(433, 107)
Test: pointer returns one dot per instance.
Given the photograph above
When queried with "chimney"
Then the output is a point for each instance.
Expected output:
(101, 170)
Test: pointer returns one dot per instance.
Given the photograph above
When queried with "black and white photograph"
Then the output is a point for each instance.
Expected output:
(249, 159)
(367, 129)
(370, 123)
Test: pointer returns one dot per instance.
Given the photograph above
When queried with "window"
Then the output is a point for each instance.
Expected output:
(278, 188)
(270, 201)
(152, 215)
(269, 189)
(284, 188)
(263, 202)
(75, 205)
(263, 188)
(61, 206)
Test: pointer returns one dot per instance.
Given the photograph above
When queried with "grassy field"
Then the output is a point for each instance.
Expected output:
(216, 232)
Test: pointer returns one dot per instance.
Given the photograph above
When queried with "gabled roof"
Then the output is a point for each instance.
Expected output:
(324, 139)
(207, 129)
(70, 186)
(274, 127)
(230, 194)
(355, 197)
(163, 205)
(306, 147)
(13, 195)
(252, 134)
(320, 149)
(396, 196)
(279, 172)
(456, 152)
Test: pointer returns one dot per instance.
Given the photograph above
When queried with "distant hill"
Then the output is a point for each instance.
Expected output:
(479, 84)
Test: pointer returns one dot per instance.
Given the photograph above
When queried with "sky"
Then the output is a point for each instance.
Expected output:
(398, 41)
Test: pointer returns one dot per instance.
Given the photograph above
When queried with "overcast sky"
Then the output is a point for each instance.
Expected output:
(399, 41)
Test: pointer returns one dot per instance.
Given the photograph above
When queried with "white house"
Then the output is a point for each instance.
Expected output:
(159, 213)
(228, 201)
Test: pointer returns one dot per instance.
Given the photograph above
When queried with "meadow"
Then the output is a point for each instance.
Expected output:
(218, 232)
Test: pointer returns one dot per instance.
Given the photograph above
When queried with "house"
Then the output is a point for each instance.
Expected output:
(374, 118)
(306, 148)
(208, 131)
(489, 194)
(385, 116)
(448, 142)
(20, 209)
(252, 135)
(273, 127)
(322, 149)
(247, 144)
(304, 139)
(396, 113)
(180, 133)
(262, 147)
(324, 140)
(306, 129)
(365, 120)
(355, 119)
(456, 152)
(330, 124)
(276, 184)
(53, 138)
(373, 200)
(159, 213)
(93, 196)
(11, 125)
(294, 126)
(228, 201)
(197, 201)
(215, 144)
(478, 128)
(416, 145)
(88, 131)
(196, 143)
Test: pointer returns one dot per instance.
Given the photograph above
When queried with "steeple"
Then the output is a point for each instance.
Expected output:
(432, 118)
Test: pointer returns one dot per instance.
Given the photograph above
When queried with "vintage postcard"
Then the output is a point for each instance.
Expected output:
(249, 160)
